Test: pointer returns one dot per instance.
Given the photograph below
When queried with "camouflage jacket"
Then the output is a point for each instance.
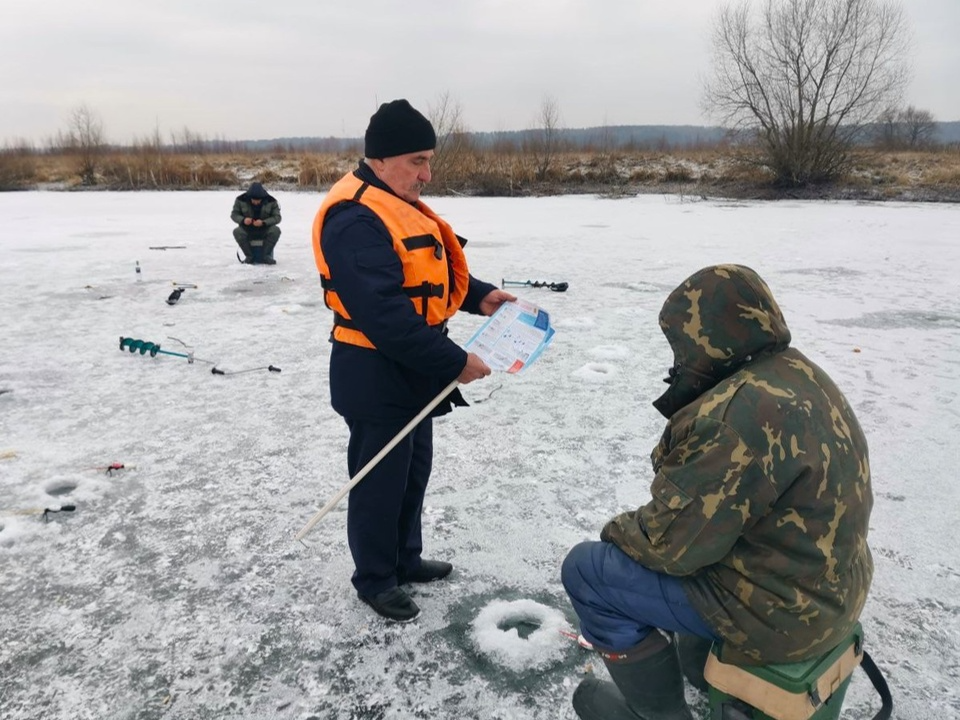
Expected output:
(243, 208)
(761, 496)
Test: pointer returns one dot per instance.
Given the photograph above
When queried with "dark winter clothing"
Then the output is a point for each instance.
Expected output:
(257, 243)
(761, 497)
(378, 391)
(396, 128)
(647, 685)
(417, 361)
(383, 513)
(435, 273)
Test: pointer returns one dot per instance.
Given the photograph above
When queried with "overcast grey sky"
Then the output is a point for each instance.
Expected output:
(245, 69)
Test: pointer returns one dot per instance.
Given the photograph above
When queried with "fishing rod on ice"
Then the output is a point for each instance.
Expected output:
(555, 286)
(271, 368)
(144, 347)
(43, 512)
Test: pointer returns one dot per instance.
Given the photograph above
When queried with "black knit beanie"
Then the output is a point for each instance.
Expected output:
(396, 128)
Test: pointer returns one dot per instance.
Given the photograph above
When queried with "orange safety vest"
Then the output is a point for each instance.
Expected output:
(423, 242)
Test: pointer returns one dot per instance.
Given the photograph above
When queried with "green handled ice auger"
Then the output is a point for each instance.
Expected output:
(143, 347)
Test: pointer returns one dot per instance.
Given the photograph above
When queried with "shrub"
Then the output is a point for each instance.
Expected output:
(17, 170)
(678, 174)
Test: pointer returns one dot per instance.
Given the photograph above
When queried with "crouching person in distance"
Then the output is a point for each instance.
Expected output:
(756, 533)
(257, 215)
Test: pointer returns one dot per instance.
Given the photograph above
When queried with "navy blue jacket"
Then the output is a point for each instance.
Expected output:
(413, 362)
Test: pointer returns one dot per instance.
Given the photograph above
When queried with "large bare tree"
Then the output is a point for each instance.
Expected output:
(806, 76)
(85, 138)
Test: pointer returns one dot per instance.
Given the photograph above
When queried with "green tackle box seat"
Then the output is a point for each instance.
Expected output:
(809, 690)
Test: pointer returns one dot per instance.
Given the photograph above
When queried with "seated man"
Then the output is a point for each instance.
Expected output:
(257, 214)
(756, 533)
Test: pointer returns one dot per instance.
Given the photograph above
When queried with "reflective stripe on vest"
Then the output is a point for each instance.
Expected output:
(435, 274)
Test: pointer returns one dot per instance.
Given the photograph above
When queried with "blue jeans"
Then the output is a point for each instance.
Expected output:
(619, 601)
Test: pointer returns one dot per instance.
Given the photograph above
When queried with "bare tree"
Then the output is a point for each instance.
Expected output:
(905, 128)
(85, 138)
(887, 129)
(187, 141)
(806, 76)
(545, 141)
(446, 116)
(919, 125)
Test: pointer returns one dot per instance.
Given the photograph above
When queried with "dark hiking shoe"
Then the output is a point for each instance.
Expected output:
(268, 260)
(428, 571)
(393, 604)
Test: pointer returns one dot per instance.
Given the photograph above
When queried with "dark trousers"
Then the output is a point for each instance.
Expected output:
(383, 512)
(257, 243)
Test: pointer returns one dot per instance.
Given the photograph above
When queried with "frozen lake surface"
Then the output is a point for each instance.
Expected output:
(174, 589)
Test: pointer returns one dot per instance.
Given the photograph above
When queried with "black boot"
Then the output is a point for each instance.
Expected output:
(647, 685)
(693, 652)
(247, 251)
(268, 246)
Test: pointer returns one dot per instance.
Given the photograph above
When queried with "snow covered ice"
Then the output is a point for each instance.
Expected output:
(174, 590)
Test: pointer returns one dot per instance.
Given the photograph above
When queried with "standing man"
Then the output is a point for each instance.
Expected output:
(257, 215)
(756, 533)
(393, 273)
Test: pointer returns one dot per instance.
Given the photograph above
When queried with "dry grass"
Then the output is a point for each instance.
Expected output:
(722, 171)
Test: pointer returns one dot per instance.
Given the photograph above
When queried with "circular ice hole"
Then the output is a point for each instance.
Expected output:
(520, 635)
(595, 372)
(58, 490)
(525, 627)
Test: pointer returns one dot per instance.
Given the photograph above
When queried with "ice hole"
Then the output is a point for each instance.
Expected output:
(58, 490)
(524, 626)
(520, 634)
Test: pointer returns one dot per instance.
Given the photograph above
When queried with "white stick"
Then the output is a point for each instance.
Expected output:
(374, 460)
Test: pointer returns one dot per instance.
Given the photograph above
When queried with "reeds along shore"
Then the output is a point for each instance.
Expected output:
(932, 174)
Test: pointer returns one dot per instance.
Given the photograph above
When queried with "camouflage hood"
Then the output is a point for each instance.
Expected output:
(718, 320)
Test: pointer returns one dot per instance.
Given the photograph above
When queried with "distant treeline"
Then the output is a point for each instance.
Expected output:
(632, 137)
(617, 137)
(593, 139)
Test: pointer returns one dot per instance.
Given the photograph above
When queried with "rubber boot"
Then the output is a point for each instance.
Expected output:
(647, 685)
(268, 246)
(256, 252)
(693, 652)
(245, 247)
